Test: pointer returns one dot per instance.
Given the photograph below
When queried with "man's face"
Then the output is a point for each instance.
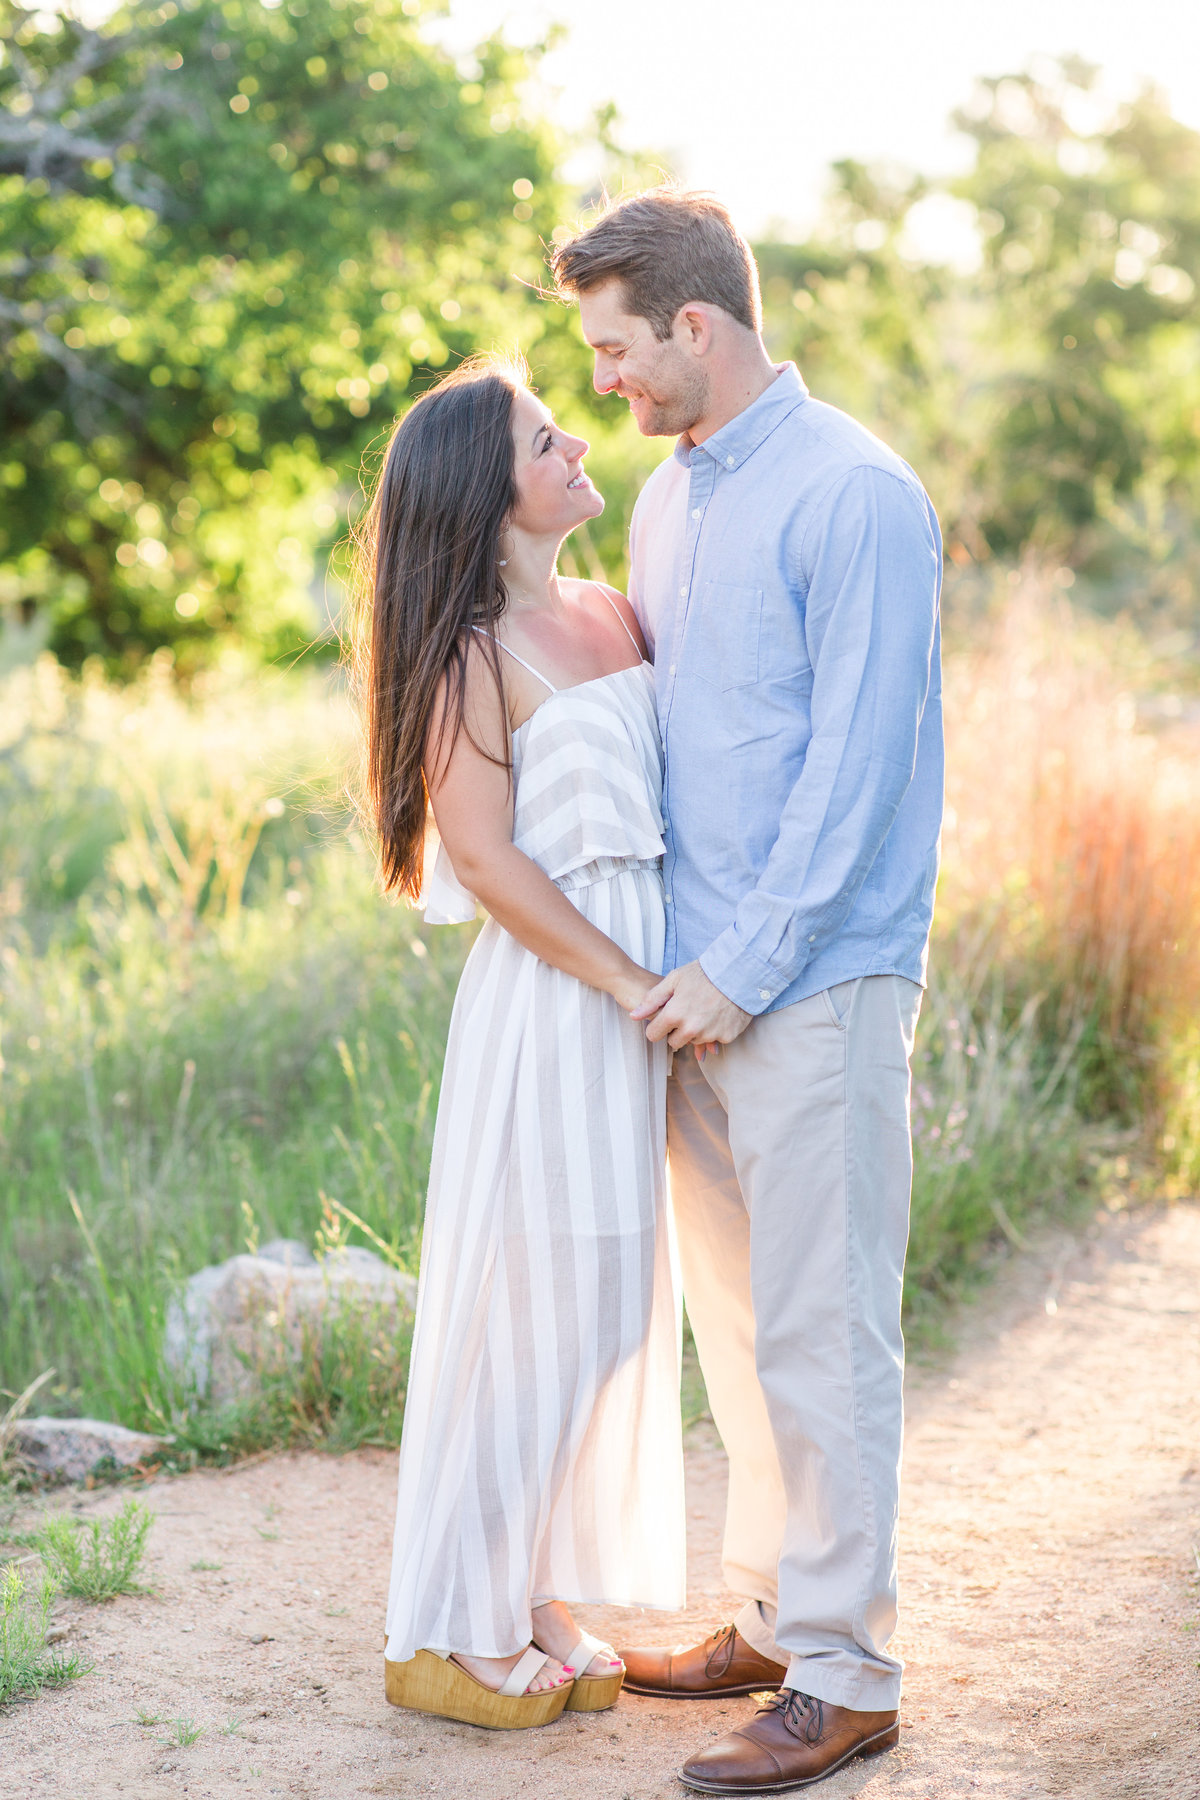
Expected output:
(664, 383)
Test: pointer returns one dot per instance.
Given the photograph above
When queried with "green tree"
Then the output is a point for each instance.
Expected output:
(869, 322)
(236, 237)
(1050, 396)
(1087, 443)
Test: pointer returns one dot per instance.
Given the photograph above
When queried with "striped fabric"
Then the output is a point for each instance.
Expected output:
(541, 1452)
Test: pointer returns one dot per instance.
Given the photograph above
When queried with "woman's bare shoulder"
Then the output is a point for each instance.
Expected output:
(603, 593)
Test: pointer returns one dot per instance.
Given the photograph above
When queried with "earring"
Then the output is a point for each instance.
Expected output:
(502, 561)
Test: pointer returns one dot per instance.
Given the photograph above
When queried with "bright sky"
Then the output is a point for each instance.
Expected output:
(754, 98)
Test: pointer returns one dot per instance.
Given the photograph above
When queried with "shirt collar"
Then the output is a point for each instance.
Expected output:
(742, 436)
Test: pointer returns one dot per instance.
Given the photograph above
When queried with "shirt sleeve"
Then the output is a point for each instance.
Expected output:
(871, 563)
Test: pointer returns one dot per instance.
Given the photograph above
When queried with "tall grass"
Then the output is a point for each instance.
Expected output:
(1058, 1036)
(212, 1027)
(1072, 852)
(209, 1017)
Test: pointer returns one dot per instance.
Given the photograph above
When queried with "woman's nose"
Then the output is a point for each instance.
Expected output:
(577, 447)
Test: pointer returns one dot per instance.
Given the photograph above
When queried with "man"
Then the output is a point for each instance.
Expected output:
(786, 569)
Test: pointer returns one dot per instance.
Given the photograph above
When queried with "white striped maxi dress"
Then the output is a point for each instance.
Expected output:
(541, 1455)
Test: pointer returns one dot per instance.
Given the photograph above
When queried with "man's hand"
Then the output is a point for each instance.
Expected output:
(685, 1008)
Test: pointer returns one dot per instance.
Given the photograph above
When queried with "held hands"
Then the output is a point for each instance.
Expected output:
(632, 988)
(685, 1008)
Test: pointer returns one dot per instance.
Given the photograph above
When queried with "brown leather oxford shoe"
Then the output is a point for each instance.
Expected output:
(791, 1742)
(722, 1664)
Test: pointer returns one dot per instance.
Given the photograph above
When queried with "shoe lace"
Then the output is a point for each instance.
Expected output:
(802, 1714)
(721, 1654)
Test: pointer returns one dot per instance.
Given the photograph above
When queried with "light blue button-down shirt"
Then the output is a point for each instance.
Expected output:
(786, 573)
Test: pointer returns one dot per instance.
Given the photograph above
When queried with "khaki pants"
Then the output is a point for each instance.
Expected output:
(791, 1171)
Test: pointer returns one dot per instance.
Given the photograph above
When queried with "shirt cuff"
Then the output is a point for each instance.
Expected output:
(740, 975)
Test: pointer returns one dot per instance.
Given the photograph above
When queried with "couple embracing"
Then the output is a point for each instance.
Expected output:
(703, 823)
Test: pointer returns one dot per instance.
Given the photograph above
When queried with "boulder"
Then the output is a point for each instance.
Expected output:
(246, 1319)
(73, 1449)
(292, 1252)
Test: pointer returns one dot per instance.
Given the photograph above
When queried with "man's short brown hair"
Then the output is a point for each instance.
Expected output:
(666, 248)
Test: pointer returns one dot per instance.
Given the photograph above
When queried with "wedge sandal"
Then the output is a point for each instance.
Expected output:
(430, 1682)
(593, 1693)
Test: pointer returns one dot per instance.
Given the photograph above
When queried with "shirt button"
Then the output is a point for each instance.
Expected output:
(668, 900)
(672, 669)
(696, 512)
(813, 938)
(729, 462)
(683, 593)
(764, 993)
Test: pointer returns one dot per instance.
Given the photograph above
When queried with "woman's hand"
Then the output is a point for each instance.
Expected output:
(632, 986)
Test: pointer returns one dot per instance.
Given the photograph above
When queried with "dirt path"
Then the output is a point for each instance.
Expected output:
(1051, 1600)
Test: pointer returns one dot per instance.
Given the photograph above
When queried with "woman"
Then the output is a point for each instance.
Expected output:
(540, 1464)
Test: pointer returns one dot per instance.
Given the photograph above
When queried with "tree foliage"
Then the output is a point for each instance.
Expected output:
(236, 236)
(1050, 394)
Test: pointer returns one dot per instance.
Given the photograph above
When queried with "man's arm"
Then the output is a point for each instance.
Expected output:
(872, 562)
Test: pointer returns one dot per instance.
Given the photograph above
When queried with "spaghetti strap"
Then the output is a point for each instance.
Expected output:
(525, 665)
(621, 617)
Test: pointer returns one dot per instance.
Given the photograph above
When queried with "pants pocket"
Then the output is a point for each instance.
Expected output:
(839, 1001)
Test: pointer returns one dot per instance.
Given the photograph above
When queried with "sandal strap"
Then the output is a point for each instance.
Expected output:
(593, 1646)
(531, 1663)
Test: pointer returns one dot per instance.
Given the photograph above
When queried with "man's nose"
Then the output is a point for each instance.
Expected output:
(604, 376)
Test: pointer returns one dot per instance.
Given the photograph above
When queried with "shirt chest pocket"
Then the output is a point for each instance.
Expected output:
(722, 639)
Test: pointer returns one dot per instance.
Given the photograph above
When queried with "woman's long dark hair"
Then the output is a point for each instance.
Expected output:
(428, 552)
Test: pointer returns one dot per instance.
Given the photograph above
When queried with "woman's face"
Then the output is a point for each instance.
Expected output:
(553, 493)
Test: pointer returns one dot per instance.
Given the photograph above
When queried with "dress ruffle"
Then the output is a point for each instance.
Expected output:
(582, 798)
(444, 900)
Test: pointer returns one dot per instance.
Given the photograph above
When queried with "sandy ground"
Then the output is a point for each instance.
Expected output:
(1051, 1591)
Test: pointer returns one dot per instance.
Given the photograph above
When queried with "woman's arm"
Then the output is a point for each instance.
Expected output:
(473, 805)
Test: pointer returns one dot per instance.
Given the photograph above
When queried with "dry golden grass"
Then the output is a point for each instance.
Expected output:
(1072, 844)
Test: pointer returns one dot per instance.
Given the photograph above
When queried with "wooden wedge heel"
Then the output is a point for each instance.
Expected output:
(434, 1684)
(593, 1693)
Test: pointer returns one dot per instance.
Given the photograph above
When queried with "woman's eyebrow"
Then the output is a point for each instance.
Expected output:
(544, 426)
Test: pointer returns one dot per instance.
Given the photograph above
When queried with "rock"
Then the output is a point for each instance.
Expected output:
(245, 1319)
(291, 1252)
(77, 1448)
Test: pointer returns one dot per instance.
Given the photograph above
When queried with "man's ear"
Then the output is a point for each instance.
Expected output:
(693, 328)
